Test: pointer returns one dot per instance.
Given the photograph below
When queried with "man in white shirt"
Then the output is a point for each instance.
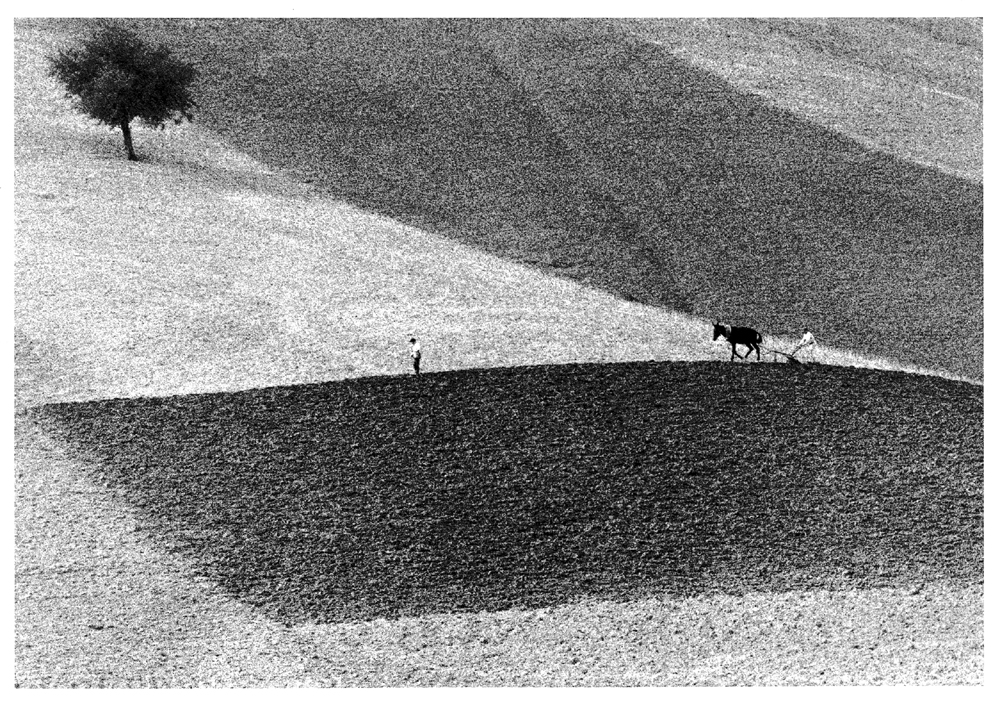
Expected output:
(415, 354)
(808, 342)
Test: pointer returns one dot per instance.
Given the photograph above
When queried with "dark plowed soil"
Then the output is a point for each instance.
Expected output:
(522, 487)
(577, 148)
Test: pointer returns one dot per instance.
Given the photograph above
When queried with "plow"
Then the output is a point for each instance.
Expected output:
(790, 357)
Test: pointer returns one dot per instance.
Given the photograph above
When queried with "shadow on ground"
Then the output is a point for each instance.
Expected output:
(527, 487)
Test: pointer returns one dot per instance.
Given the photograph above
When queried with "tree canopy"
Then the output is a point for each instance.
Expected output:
(116, 77)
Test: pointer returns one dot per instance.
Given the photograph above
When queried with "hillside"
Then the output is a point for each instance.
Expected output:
(486, 490)
(911, 87)
(202, 270)
(607, 154)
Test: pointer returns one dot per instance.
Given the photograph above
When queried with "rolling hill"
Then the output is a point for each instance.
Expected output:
(486, 490)
(606, 152)
(198, 512)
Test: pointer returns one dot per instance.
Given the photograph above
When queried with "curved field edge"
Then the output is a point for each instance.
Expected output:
(76, 568)
(208, 271)
(532, 487)
(592, 154)
(925, 73)
(135, 616)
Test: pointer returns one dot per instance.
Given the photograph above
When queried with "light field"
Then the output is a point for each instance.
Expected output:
(201, 270)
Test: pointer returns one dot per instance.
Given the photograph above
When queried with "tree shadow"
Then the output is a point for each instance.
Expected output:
(527, 487)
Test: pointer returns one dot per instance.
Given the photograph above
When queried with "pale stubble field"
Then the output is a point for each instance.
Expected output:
(201, 270)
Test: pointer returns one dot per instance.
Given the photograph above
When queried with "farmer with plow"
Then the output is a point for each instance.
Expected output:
(751, 339)
(808, 342)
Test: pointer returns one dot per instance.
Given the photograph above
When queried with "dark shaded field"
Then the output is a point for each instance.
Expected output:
(525, 487)
(578, 148)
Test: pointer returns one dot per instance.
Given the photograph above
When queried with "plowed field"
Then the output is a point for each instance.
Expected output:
(579, 148)
(521, 487)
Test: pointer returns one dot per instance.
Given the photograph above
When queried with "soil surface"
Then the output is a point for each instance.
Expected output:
(537, 486)
(611, 156)
(150, 546)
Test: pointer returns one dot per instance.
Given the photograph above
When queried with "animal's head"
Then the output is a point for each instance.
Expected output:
(718, 330)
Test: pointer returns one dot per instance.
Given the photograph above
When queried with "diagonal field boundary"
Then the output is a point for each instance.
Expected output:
(529, 487)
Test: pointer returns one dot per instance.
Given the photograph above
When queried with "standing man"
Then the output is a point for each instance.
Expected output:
(807, 342)
(415, 354)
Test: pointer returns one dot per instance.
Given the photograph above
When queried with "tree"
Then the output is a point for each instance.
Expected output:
(116, 78)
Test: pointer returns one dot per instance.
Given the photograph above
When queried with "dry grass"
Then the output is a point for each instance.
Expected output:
(615, 161)
(201, 269)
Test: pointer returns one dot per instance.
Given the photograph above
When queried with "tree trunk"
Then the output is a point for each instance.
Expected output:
(127, 133)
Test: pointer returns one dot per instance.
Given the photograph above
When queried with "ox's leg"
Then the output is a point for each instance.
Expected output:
(735, 353)
(757, 349)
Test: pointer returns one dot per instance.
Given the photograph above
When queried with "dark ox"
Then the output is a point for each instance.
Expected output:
(746, 336)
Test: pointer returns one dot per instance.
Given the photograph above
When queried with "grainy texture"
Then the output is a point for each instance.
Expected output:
(604, 156)
(98, 604)
(496, 489)
(201, 269)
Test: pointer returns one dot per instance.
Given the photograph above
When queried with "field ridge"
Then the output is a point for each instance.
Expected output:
(213, 272)
(491, 489)
(680, 188)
